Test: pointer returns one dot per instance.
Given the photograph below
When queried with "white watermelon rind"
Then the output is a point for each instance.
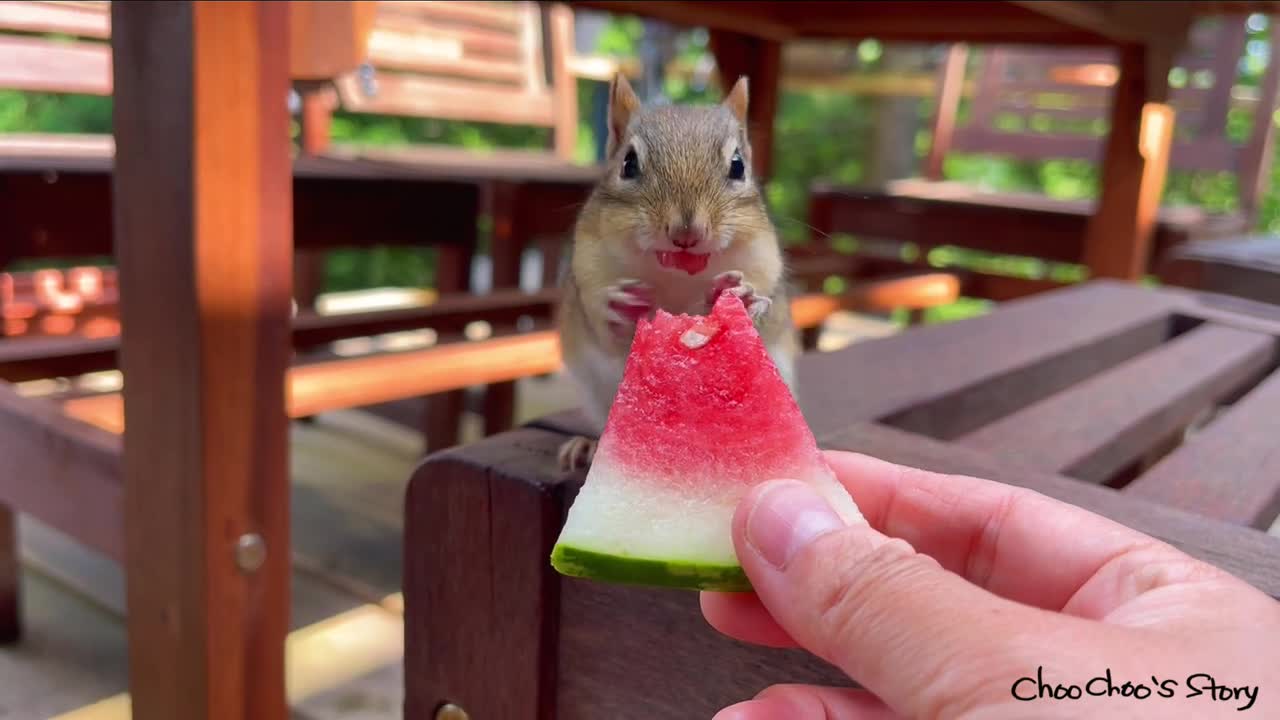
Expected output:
(579, 562)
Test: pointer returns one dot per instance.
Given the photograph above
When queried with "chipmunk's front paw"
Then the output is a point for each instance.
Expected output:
(733, 283)
(576, 453)
(628, 301)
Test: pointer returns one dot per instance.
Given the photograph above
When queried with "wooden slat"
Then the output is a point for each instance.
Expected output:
(1247, 553)
(356, 382)
(1247, 267)
(1097, 427)
(29, 359)
(499, 15)
(471, 41)
(945, 380)
(202, 194)
(917, 291)
(81, 19)
(367, 381)
(42, 66)
(1032, 146)
(417, 96)
(1230, 470)
(403, 51)
(999, 288)
(65, 473)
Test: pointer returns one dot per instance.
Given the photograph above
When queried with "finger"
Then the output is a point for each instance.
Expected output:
(1015, 542)
(809, 702)
(742, 617)
(889, 617)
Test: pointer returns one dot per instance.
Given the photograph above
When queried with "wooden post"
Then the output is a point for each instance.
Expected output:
(203, 196)
(760, 60)
(950, 88)
(318, 101)
(1255, 176)
(1118, 239)
(442, 411)
(506, 249)
(564, 86)
(329, 38)
(10, 567)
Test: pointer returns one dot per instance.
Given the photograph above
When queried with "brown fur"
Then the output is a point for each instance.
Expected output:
(684, 158)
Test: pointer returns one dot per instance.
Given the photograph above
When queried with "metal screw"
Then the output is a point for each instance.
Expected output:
(251, 552)
(367, 77)
(449, 711)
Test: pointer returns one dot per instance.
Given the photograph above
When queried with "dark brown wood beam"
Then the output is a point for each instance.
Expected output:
(202, 198)
(1120, 233)
(760, 61)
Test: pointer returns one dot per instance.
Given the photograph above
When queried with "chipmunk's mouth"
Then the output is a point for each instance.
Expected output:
(692, 263)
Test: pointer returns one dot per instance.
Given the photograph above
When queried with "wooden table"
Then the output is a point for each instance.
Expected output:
(1246, 267)
(1079, 393)
(746, 38)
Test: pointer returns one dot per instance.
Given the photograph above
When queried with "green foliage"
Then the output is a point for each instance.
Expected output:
(23, 112)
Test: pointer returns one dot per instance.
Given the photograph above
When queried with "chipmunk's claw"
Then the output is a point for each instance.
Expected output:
(576, 453)
(628, 301)
(732, 282)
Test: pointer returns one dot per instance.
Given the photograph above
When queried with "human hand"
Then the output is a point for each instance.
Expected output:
(960, 587)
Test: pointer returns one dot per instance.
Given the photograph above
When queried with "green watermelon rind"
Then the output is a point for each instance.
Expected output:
(681, 574)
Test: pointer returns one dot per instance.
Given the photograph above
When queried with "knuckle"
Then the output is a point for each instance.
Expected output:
(851, 594)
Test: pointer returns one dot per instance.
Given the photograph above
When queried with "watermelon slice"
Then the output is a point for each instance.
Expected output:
(701, 416)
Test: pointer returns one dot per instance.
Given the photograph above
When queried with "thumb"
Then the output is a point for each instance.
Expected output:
(890, 618)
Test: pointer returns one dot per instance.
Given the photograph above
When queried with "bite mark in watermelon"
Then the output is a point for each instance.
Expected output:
(702, 415)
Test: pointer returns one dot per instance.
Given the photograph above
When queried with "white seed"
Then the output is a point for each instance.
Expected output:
(693, 339)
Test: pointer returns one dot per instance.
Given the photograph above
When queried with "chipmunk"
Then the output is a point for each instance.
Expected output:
(676, 219)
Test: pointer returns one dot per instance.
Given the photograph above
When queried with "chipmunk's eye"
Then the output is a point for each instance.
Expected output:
(630, 166)
(737, 168)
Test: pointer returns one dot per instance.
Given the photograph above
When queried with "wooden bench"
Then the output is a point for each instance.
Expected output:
(1246, 267)
(1048, 103)
(1085, 394)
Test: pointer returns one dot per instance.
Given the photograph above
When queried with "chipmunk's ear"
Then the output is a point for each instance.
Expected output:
(623, 103)
(736, 100)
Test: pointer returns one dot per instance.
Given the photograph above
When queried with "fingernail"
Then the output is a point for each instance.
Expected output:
(786, 518)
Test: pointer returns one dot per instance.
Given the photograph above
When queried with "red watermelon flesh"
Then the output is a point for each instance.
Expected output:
(701, 416)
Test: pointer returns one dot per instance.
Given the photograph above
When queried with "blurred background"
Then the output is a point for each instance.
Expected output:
(852, 113)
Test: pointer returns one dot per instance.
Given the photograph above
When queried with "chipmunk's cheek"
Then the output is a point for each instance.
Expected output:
(643, 241)
(643, 234)
(723, 240)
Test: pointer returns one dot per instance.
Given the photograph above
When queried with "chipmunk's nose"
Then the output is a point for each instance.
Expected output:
(686, 235)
